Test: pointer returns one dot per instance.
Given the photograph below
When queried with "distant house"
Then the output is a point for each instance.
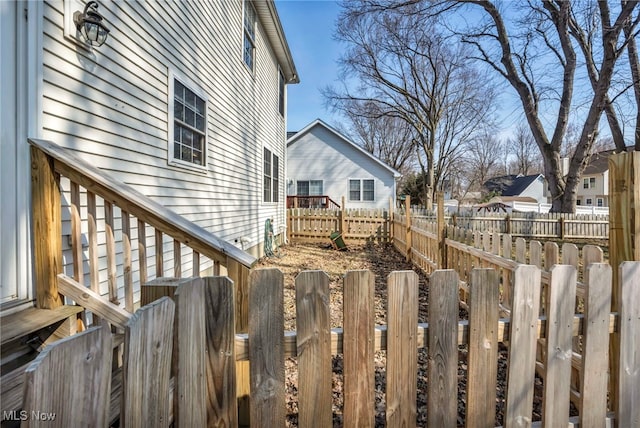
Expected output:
(322, 161)
(531, 187)
(593, 189)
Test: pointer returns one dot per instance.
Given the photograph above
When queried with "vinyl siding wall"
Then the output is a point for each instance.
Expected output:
(321, 155)
(110, 105)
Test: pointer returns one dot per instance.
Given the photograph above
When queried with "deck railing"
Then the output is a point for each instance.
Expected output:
(97, 242)
(320, 201)
(119, 222)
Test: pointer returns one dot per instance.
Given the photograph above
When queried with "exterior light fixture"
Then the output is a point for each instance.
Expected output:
(89, 24)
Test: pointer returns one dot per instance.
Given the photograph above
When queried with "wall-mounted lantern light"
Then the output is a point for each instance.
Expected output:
(89, 24)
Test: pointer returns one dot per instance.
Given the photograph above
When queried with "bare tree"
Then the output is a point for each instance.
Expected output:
(408, 71)
(553, 27)
(631, 33)
(524, 154)
(483, 160)
(585, 26)
(386, 137)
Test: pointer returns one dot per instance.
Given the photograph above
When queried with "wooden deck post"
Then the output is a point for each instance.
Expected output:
(47, 229)
(624, 236)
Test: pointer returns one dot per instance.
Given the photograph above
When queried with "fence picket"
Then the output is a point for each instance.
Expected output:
(266, 352)
(443, 349)
(190, 367)
(521, 250)
(595, 349)
(70, 380)
(359, 319)
(562, 294)
(628, 412)
(483, 348)
(147, 365)
(535, 253)
(522, 345)
(219, 303)
(402, 357)
(314, 349)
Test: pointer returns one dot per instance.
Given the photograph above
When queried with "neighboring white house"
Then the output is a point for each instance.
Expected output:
(185, 102)
(322, 161)
(593, 188)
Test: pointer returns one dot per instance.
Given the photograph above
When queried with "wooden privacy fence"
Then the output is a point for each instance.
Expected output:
(200, 389)
(533, 225)
(317, 225)
(355, 225)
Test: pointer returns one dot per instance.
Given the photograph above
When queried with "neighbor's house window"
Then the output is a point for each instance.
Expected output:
(589, 183)
(249, 46)
(579, 202)
(309, 188)
(600, 202)
(271, 171)
(589, 201)
(281, 93)
(189, 124)
(361, 190)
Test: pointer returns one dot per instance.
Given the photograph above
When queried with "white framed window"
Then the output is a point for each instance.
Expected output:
(589, 183)
(309, 187)
(249, 39)
(361, 190)
(579, 202)
(188, 115)
(600, 202)
(271, 174)
(589, 201)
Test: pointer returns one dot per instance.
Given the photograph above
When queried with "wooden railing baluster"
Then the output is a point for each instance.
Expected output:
(93, 246)
(126, 263)
(142, 250)
(159, 254)
(111, 252)
(177, 259)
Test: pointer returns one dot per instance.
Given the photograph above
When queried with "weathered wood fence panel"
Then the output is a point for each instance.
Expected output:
(266, 352)
(402, 358)
(314, 349)
(443, 349)
(147, 365)
(562, 293)
(522, 349)
(483, 348)
(355, 225)
(219, 303)
(190, 367)
(68, 384)
(147, 389)
(628, 410)
(359, 376)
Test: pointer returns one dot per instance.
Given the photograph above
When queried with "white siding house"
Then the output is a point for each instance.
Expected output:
(185, 102)
(322, 161)
(593, 188)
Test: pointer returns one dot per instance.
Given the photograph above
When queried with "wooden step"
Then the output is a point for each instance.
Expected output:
(19, 324)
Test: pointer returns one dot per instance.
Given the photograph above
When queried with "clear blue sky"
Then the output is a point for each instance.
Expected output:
(309, 26)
